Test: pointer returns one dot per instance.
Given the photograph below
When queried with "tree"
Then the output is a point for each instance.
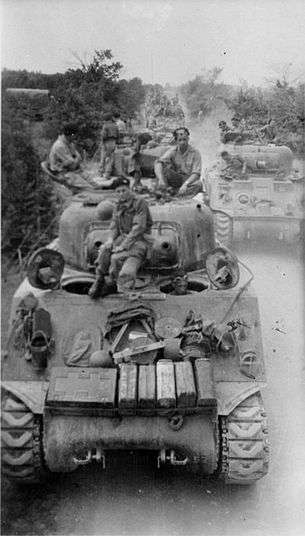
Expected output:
(87, 92)
(201, 93)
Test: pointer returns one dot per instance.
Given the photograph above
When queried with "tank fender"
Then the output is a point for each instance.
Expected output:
(231, 394)
(32, 393)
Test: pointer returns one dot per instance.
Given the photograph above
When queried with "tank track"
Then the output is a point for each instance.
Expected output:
(223, 229)
(21, 442)
(244, 443)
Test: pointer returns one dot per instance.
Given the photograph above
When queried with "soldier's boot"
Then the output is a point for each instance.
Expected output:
(96, 290)
(110, 287)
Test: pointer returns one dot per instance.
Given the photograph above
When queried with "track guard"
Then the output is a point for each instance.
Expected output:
(32, 393)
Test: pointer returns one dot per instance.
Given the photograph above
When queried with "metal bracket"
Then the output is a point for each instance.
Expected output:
(96, 454)
(171, 458)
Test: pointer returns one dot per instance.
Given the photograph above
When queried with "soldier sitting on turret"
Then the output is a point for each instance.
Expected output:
(125, 251)
(180, 167)
(236, 167)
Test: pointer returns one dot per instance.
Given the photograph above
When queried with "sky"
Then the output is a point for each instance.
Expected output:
(159, 40)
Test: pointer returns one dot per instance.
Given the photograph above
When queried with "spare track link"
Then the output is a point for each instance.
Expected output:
(244, 443)
(21, 442)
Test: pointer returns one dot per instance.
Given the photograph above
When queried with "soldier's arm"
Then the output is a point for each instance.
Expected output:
(195, 174)
(62, 157)
(243, 164)
(114, 229)
(166, 158)
(139, 226)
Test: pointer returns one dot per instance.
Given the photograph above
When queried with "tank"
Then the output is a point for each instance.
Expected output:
(173, 367)
(267, 200)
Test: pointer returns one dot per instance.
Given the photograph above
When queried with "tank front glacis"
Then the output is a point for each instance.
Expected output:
(177, 374)
(266, 193)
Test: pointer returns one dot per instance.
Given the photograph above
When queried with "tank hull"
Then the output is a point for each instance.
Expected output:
(68, 439)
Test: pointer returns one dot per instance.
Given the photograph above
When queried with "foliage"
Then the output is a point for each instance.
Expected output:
(28, 206)
(201, 93)
(280, 101)
(87, 92)
(26, 79)
(80, 95)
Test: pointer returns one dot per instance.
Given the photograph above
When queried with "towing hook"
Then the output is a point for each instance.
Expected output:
(95, 454)
(175, 422)
(170, 458)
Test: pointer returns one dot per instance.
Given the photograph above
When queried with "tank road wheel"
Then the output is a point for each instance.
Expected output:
(244, 443)
(223, 225)
(21, 442)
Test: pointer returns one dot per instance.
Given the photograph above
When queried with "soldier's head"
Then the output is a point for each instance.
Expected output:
(235, 121)
(122, 189)
(180, 284)
(108, 116)
(225, 156)
(223, 125)
(181, 136)
(69, 130)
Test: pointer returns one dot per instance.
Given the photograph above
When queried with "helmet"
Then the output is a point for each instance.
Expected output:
(104, 210)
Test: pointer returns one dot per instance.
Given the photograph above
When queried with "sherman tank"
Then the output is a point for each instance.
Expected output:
(267, 199)
(173, 366)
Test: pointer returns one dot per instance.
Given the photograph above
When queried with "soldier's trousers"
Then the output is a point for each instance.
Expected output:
(123, 266)
(175, 179)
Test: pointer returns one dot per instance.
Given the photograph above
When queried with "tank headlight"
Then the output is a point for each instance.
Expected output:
(261, 164)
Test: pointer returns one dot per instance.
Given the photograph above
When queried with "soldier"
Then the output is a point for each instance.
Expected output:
(236, 132)
(110, 134)
(269, 131)
(65, 161)
(110, 129)
(125, 251)
(180, 166)
(224, 129)
(236, 166)
(112, 166)
(121, 126)
(180, 285)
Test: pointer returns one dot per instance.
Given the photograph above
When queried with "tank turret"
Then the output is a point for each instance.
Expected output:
(173, 366)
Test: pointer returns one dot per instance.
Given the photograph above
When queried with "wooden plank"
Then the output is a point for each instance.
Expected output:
(205, 384)
(127, 353)
(147, 386)
(128, 385)
(119, 337)
(185, 384)
(166, 392)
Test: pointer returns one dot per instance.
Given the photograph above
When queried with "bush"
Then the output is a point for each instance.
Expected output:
(28, 206)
